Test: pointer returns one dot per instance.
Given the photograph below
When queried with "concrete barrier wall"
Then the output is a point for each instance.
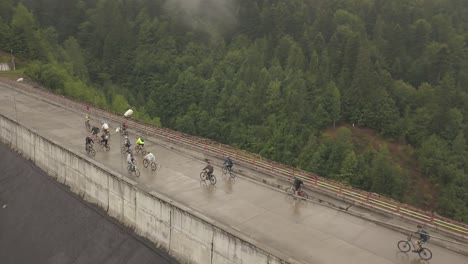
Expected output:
(186, 234)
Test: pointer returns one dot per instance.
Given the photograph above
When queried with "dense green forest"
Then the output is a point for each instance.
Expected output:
(281, 78)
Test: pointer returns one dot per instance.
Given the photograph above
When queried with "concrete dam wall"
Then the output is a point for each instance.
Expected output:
(185, 233)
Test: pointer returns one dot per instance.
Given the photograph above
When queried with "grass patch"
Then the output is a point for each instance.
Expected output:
(12, 75)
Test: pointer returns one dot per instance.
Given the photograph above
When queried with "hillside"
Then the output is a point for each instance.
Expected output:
(271, 76)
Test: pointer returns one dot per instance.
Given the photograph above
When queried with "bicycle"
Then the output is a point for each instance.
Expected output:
(147, 162)
(204, 176)
(292, 191)
(229, 171)
(133, 169)
(90, 150)
(87, 125)
(140, 149)
(104, 146)
(405, 246)
(125, 149)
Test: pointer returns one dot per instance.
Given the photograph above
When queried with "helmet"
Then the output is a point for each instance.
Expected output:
(126, 137)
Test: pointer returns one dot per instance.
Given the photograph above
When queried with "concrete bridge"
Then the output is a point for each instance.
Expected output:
(240, 221)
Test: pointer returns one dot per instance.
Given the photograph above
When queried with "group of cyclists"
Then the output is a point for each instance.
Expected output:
(104, 141)
(209, 169)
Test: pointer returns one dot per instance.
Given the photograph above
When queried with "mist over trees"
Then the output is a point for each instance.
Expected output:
(280, 78)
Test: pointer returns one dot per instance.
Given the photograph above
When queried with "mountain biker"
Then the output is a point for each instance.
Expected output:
(423, 238)
(150, 157)
(209, 169)
(104, 139)
(94, 131)
(140, 142)
(127, 143)
(228, 163)
(89, 141)
(88, 118)
(131, 160)
(297, 185)
(105, 128)
(124, 126)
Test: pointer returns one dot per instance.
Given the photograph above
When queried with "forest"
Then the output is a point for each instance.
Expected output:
(295, 81)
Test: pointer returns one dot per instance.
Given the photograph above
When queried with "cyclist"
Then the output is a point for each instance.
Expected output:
(131, 160)
(297, 185)
(127, 143)
(89, 142)
(124, 126)
(423, 238)
(150, 157)
(94, 131)
(104, 139)
(88, 118)
(228, 163)
(209, 169)
(140, 143)
(105, 128)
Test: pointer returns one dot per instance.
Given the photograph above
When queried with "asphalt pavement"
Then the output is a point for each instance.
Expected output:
(42, 222)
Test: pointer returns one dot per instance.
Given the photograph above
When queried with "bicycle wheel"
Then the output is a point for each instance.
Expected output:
(232, 174)
(145, 163)
(137, 172)
(129, 168)
(108, 148)
(304, 195)
(143, 151)
(123, 149)
(92, 152)
(425, 254)
(213, 179)
(404, 246)
(224, 170)
(203, 175)
(153, 166)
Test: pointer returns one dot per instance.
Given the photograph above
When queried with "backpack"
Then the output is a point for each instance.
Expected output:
(424, 235)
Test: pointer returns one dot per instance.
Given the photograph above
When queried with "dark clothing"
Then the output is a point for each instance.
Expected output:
(423, 235)
(89, 140)
(228, 163)
(209, 168)
(104, 140)
(298, 183)
(94, 130)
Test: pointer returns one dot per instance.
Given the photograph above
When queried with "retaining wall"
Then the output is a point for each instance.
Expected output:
(185, 233)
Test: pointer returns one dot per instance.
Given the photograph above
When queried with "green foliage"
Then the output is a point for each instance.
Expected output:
(273, 79)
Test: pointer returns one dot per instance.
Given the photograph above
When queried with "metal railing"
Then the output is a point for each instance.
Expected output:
(262, 165)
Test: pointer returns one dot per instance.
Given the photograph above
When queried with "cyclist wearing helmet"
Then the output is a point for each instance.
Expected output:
(228, 163)
(150, 157)
(423, 238)
(127, 143)
(88, 142)
(209, 169)
(140, 142)
(297, 185)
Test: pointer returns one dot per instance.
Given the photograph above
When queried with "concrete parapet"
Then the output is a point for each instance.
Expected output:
(185, 233)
